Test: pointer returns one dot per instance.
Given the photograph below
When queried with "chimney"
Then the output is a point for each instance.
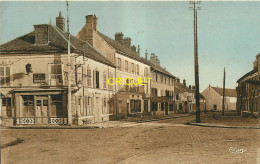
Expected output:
(133, 48)
(146, 54)
(60, 22)
(41, 34)
(189, 86)
(87, 32)
(178, 80)
(138, 50)
(255, 64)
(157, 62)
(119, 37)
(127, 42)
(184, 82)
(153, 58)
(193, 87)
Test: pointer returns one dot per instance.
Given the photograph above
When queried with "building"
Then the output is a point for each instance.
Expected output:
(130, 67)
(162, 88)
(214, 98)
(248, 90)
(34, 79)
(184, 97)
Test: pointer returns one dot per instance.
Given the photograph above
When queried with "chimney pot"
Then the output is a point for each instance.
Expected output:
(184, 82)
(60, 22)
(119, 37)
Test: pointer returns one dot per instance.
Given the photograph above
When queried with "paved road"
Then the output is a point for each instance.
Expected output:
(167, 141)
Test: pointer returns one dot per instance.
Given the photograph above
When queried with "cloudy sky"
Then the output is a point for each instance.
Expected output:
(228, 32)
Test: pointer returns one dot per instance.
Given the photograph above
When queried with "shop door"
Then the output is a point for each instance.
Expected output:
(41, 113)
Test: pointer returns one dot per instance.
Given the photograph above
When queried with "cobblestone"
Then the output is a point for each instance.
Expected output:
(164, 141)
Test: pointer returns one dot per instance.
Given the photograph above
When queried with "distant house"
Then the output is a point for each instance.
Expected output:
(214, 98)
(248, 90)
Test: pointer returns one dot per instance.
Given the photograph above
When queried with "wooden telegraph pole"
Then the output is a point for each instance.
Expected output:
(223, 103)
(196, 63)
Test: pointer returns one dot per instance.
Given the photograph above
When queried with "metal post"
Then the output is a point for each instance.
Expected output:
(69, 67)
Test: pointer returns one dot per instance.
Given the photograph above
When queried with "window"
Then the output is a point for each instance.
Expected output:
(165, 80)
(132, 68)
(39, 78)
(137, 69)
(55, 74)
(104, 80)
(146, 72)
(89, 77)
(6, 102)
(110, 86)
(119, 64)
(97, 79)
(161, 78)
(5, 75)
(28, 108)
(126, 66)
(162, 106)
(56, 106)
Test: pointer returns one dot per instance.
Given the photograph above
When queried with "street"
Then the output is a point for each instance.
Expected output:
(166, 141)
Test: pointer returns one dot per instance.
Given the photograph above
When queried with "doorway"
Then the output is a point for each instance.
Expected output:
(41, 112)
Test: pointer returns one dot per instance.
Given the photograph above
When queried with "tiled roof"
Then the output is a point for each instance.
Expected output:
(246, 75)
(228, 92)
(58, 41)
(180, 88)
(131, 54)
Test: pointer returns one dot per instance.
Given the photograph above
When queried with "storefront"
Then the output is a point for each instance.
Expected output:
(40, 107)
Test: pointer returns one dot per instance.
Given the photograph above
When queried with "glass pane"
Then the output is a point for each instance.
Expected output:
(1, 71)
(4, 102)
(45, 102)
(39, 103)
(58, 67)
(7, 69)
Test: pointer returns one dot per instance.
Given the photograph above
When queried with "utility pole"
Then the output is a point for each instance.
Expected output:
(223, 103)
(196, 63)
(69, 69)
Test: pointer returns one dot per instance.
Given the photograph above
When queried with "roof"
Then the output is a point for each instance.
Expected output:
(58, 42)
(180, 88)
(134, 55)
(228, 92)
(246, 75)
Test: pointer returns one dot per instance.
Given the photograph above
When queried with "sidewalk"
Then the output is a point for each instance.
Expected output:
(227, 121)
(222, 126)
(109, 124)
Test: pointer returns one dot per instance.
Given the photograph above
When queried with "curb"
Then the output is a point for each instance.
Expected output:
(221, 126)
(52, 127)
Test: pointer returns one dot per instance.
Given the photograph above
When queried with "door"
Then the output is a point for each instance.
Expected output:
(166, 109)
(215, 107)
(146, 106)
(41, 113)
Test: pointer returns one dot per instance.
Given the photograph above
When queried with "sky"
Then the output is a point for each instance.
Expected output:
(228, 32)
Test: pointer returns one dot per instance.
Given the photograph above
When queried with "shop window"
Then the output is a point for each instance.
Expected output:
(56, 106)
(28, 106)
(39, 78)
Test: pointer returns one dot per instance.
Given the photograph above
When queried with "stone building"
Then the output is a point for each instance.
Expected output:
(214, 98)
(34, 79)
(162, 88)
(129, 99)
(248, 90)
